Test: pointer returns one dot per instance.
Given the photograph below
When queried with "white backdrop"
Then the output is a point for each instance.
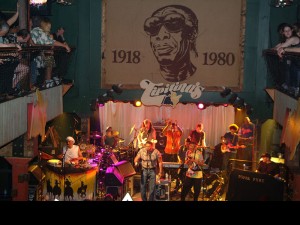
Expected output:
(122, 116)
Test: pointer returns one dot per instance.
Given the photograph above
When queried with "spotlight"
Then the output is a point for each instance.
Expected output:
(109, 95)
(282, 3)
(232, 98)
(225, 105)
(117, 88)
(201, 106)
(137, 103)
(225, 92)
(239, 103)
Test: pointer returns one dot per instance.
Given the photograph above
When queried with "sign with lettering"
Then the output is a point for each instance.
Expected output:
(194, 42)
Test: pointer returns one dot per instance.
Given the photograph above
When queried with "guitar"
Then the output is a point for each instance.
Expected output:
(226, 148)
(144, 140)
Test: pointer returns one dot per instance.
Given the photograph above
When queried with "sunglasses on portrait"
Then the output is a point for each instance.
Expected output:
(173, 22)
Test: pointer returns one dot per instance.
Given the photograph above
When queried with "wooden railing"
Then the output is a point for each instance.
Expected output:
(284, 71)
(18, 71)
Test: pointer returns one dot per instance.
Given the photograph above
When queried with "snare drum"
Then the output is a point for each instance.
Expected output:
(54, 162)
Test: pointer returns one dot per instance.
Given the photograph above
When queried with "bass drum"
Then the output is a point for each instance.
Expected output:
(215, 187)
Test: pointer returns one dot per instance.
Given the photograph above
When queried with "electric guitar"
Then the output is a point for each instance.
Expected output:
(144, 140)
(228, 147)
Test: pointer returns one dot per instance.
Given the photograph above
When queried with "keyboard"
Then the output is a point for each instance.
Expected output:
(173, 165)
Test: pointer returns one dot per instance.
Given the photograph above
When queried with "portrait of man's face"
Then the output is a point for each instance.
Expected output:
(173, 30)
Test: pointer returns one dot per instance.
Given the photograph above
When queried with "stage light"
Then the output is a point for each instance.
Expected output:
(225, 92)
(225, 105)
(117, 88)
(232, 98)
(137, 103)
(201, 106)
(281, 3)
(239, 103)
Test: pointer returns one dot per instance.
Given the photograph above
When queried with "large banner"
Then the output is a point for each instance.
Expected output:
(173, 42)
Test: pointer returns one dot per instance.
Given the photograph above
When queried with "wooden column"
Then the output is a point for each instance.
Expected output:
(23, 13)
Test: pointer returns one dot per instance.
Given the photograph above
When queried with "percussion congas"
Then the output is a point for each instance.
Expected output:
(54, 162)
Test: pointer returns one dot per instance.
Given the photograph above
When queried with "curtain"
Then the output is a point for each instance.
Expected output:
(123, 116)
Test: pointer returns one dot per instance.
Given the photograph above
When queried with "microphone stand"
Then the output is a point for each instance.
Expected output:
(63, 171)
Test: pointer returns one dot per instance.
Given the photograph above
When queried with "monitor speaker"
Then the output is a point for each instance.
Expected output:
(116, 174)
(113, 177)
(125, 168)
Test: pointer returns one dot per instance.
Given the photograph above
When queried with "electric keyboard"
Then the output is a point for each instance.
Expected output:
(173, 165)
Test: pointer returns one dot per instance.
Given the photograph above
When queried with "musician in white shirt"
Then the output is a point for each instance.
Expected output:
(71, 152)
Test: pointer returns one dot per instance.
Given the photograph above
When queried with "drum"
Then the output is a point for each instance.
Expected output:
(54, 162)
(90, 151)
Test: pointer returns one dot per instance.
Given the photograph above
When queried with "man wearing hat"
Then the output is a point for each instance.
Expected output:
(267, 166)
(71, 152)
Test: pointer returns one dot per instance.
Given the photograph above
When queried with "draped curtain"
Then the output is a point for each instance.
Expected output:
(123, 116)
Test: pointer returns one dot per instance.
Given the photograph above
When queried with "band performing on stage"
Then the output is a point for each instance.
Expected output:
(108, 169)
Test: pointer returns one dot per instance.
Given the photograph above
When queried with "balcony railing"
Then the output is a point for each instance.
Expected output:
(20, 73)
(284, 71)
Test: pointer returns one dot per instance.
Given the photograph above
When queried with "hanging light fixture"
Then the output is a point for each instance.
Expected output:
(37, 2)
(281, 3)
(65, 2)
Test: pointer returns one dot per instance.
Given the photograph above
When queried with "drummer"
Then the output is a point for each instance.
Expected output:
(71, 152)
(110, 138)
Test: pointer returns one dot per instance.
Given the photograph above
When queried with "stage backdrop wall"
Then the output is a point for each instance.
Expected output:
(123, 116)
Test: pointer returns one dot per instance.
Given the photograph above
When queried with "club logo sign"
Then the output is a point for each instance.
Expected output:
(168, 94)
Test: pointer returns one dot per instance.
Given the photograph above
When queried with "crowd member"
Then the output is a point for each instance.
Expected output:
(71, 152)
(59, 35)
(41, 36)
(173, 133)
(150, 160)
(109, 139)
(146, 133)
(266, 166)
(181, 159)
(8, 64)
(193, 178)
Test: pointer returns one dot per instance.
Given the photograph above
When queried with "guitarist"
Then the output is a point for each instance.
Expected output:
(231, 138)
(146, 133)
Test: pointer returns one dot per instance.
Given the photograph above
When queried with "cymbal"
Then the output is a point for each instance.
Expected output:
(77, 131)
(95, 136)
(121, 140)
(132, 128)
(116, 133)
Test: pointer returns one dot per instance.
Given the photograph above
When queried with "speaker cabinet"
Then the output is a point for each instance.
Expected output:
(251, 186)
(115, 175)
(161, 139)
(125, 168)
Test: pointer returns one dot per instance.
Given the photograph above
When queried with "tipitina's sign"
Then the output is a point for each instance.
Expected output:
(168, 94)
